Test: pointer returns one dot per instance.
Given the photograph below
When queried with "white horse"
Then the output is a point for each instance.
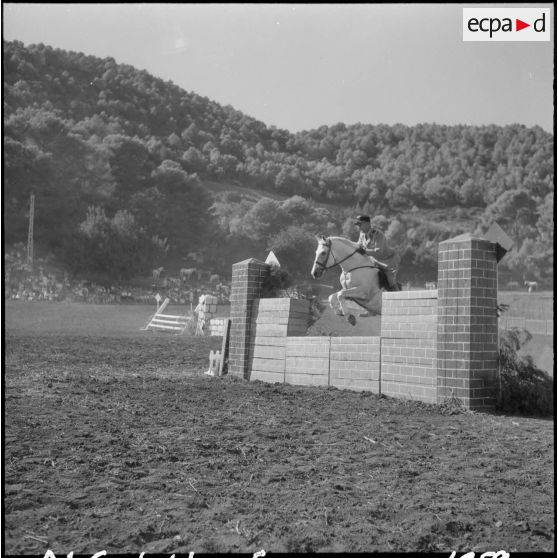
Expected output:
(531, 285)
(157, 274)
(359, 276)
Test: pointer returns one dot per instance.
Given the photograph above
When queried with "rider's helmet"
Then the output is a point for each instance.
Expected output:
(362, 219)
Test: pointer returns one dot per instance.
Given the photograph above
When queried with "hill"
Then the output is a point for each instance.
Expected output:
(131, 172)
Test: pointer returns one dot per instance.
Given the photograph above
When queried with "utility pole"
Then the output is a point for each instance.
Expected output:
(30, 233)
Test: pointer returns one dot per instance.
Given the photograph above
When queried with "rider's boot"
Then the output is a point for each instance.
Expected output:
(392, 281)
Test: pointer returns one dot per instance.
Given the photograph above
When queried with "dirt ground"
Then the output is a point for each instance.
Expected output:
(124, 445)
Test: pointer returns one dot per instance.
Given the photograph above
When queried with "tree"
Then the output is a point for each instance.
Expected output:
(46, 159)
(471, 193)
(27, 169)
(300, 211)
(290, 180)
(400, 197)
(131, 166)
(180, 208)
(546, 220)
(117, 249)
(438, 193)
(263, 220)
(294, 247)
(193, 160)
(396, 234)
(362, 194)
(88, 131)
(515, 212)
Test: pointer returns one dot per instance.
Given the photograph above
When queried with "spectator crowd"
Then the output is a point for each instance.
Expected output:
(36, 283)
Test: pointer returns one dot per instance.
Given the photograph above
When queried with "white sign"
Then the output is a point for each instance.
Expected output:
(272, 260)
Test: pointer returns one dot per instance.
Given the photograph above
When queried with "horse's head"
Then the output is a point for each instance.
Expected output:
(333, 251)
(322, 256)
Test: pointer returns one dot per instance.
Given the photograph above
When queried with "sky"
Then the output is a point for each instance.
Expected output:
(302, 66)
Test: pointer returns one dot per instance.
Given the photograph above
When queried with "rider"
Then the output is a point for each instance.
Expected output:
(373, 243)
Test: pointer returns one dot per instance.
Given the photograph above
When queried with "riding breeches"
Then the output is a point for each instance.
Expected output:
(389, 267)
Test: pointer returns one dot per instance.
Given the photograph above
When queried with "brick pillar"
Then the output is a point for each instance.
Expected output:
(247, 277)
(467, 353)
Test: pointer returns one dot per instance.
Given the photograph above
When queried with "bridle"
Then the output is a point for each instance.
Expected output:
(325, 267)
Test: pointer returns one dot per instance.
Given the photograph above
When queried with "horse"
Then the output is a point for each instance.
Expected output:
(359, 276)
(157, 273)
(531, 285)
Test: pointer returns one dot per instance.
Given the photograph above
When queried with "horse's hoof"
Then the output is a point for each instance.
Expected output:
(339, 314)
(351, 319)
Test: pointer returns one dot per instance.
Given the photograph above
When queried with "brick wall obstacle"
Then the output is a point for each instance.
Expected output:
(409, 344)
(467, 351)
(217, 327)
(434, 344)
(247, 279)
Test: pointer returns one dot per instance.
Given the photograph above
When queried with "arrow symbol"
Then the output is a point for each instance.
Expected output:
(519, 25)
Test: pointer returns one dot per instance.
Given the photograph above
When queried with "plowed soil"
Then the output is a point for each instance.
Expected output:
(123, 444)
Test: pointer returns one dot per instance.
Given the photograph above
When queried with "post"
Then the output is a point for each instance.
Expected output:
(467, 353)
(30, 231)
(247, 279)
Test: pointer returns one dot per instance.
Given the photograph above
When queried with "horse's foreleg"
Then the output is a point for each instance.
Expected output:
(334, 303)
(342, 299)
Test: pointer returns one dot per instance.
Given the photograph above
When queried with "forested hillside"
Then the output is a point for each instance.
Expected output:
(121, 164)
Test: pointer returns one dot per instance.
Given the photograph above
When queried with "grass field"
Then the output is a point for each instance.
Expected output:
(115, 440)
(44, 318)
(538, 305)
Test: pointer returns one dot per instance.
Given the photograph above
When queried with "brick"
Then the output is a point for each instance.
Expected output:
(270, 319)
(406, 295)
(373, 340)
(352, 356)
(307, 365)
(306, 379)
(357, 385)
(415, 393)
(285, 304)
(268, 351)
(271, 330)
(355, 370)
(279, 341)
(307, 347)
(268, 364)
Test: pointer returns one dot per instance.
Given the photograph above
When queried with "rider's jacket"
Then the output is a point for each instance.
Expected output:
(375, 240)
